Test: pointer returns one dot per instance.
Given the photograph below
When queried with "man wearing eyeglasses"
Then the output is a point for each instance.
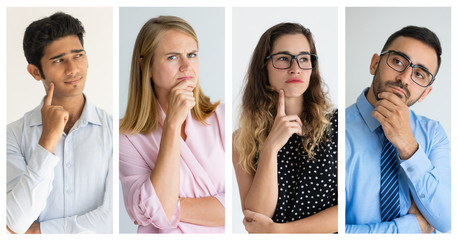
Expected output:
(397, 162)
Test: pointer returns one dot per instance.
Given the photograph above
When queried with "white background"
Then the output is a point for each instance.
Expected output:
(228, 4)
(25, 93)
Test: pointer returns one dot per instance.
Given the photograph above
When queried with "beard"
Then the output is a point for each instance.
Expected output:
(379, 86)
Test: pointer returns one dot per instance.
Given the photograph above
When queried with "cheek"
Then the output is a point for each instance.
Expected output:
(163, 74)
(196, 67)
(273, 76)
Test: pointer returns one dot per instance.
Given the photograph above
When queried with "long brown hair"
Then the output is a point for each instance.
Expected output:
(260, 100)
(142, 113)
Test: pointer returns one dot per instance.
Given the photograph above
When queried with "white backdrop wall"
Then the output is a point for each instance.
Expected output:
(209, 26)
(248, 24)
(367, 30)
(25, 93)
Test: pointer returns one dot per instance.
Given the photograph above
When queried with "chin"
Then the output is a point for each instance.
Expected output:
(294, 92)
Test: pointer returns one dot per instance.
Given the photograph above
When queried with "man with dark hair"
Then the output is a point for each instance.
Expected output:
(397, 162)
(59, 154)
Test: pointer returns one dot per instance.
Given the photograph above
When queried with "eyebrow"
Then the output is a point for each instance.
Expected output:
(407, 56)
(178, 53)
(63, 54)
(287, 52)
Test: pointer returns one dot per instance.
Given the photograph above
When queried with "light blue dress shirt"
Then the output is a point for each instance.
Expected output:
(69, 192)
(425, 176)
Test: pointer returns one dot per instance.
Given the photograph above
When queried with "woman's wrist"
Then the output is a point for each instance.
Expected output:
(170, 125)
(268, 152)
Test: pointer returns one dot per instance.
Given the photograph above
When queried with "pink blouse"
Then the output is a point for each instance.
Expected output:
(201, 173)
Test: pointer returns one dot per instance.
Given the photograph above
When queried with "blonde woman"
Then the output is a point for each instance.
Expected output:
(171, 143)
(285, 150)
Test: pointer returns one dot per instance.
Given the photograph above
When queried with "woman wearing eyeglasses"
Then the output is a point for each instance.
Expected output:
(285, 149)
(171, 143)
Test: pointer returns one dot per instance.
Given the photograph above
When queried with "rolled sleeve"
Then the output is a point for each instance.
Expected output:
(149, 209)
(221, 197)
(140, 198)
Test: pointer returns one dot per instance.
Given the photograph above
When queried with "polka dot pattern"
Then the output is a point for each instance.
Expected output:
(306, 186)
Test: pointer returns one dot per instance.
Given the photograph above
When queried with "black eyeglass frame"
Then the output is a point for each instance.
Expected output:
(409, 65)
(313, 58)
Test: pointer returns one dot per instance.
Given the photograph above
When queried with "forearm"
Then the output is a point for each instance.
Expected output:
(322, 222)
(34, 229)
(263, 194)
(165, 176)
(28, 188)
(205, 211)
(405, 224)
(429, 182)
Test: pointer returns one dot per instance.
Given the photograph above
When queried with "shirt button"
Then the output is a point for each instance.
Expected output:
(69, 191)
(68, 164)
(409, 169)
(422, 196)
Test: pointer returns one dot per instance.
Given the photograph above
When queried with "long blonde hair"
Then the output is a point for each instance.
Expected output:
(142, 113)
(260, 101)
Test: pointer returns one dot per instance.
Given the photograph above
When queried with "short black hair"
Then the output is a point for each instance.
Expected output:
(422, 34)
(43, 32)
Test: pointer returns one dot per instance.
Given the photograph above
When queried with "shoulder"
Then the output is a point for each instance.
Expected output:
(15, 129)
(219, 115)
(104, 117)
(351, 112)
(30, 118)
(428, 125)
(220, 110)
(333, 116)
(353, 117)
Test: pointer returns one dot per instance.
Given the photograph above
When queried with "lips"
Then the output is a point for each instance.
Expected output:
(294, 80)
(73, 81)
(185, 78)
(398, 91)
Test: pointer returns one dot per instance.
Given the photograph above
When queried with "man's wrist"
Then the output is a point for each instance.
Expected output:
(408, 150)
(48, 145)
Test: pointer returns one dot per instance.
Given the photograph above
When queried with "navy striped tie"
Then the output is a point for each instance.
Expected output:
(389, 184)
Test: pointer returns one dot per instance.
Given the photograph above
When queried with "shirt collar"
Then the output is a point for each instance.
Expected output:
(89, 115)
(365, 109)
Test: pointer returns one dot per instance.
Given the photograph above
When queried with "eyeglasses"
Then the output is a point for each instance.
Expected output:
(399, 62)
(283, 60)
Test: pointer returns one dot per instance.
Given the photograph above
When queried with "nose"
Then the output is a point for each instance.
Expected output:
(71, 68)
(406, 76)
(185, 64)
(295, 69)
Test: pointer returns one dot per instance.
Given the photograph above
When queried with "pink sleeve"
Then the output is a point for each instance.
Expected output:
(221, 198)
(140, 199)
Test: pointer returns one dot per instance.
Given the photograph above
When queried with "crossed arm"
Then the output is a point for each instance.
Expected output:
(259, 193)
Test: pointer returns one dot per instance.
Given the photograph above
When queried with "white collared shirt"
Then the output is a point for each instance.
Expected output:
(69, 192)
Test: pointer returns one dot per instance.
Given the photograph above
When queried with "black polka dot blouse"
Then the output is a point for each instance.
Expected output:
(306, 186)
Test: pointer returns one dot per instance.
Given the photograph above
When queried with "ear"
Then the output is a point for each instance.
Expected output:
(425, 93)
(374, 63)
(34, 71)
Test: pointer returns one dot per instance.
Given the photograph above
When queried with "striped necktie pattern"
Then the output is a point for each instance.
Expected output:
(389, 183)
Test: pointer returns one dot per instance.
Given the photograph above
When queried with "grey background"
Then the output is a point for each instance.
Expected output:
(367, 30)
(248, 24)
(209, 26)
